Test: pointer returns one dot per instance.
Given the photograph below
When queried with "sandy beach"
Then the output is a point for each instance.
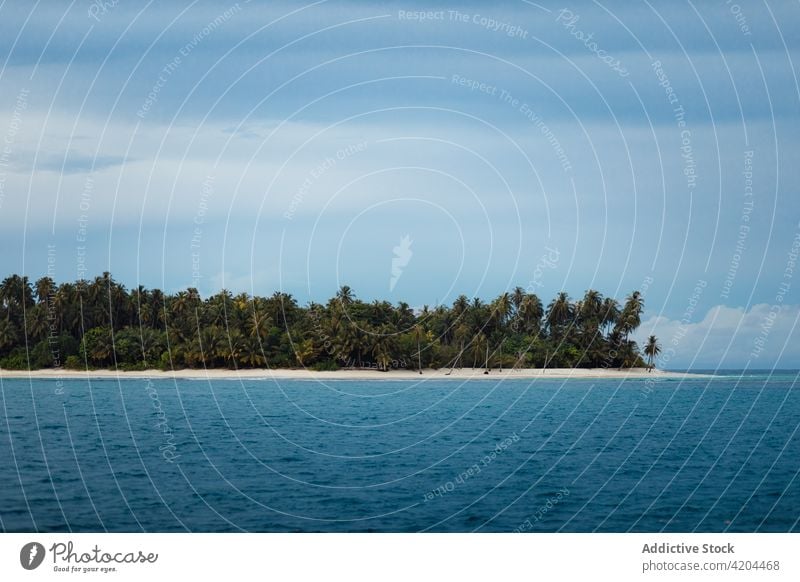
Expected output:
(350, 374)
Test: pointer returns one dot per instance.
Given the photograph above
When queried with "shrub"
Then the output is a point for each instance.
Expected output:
(42, 355)
(16, 360)
(73, 363)
(68, 346)
(164, 362)
(96, 346)
(325, 366)
(131, 366)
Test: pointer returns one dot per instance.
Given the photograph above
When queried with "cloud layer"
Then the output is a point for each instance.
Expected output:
(761, 337)
(330, 131)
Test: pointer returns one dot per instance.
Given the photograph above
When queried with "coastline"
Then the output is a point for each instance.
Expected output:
(351, 374)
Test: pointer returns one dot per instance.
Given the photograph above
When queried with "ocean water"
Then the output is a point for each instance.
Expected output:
(711, 455)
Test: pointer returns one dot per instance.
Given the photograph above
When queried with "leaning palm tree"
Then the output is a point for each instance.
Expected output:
(651, 350)
(630, 318)
(461, 334)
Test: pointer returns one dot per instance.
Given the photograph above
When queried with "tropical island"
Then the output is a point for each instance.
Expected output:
(100, 325)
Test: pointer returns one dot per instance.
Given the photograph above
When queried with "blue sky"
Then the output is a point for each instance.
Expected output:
(278, 145)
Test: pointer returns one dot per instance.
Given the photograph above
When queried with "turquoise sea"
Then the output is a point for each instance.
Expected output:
(703, 454)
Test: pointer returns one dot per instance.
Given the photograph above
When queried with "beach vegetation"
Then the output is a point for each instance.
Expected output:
(101, 324)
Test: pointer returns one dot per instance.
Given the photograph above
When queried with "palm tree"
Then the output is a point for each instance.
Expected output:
(44, 287)
(120, 305)
(651, 350)
(559, 313)
(260, 325)
(68, 305)
(179, 305)
(8, 294)
(232, 348)
(38, 322)
(15, 293)
(425, 313)
(152, 345)
(383, 345)
(8, 335)
(630, 318)
(157, 308)
(141, 298)
(419, 333)
(517, 298)
(501, 309)
(97, 345)
(345, 295)
(591, 308)
(99, 296)
(461, 333)
(609, 313)
(250, 354)
(361, 343)
(348, 345)
(404, 315)
(227, 330)
(211, 345)
(460, 305)
(304, 352)
(532, 312)
(480, 344)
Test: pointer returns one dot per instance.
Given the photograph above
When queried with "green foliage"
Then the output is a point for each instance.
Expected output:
(67, 346)
(325, 366)
(16, 360)
(97, 348)
(144, 328)
(42, 355)
(73, 363)
(164, 362)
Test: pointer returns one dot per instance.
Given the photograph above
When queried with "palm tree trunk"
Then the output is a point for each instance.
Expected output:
(419, 358)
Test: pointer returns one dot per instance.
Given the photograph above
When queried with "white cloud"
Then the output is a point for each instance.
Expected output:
(728, 337)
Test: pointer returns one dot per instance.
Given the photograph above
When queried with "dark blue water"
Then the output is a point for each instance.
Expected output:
(710, 455)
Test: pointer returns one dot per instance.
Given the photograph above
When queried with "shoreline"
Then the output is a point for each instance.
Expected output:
(351, 374)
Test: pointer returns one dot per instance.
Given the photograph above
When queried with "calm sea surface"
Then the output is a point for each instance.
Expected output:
(712, 455)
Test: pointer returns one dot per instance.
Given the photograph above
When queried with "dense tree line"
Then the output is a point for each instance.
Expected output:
(100, 324)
